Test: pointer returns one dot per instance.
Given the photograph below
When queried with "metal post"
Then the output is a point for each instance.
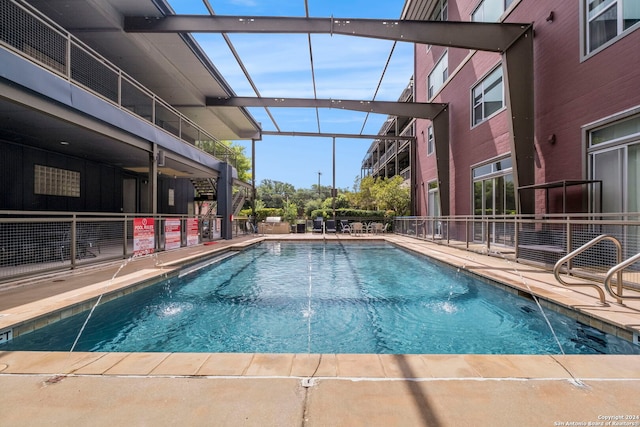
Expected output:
(125, 237)
(73, 242)
(333, 186)
(153, 180)
(253, 181)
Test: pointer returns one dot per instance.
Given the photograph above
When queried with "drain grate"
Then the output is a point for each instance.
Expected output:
(308, 382)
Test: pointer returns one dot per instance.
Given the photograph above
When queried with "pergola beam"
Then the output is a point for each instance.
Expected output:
(340, 135)
(513, 40)
(494, 37)
(421, 110)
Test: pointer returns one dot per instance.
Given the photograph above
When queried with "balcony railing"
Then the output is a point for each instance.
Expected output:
(33, 36)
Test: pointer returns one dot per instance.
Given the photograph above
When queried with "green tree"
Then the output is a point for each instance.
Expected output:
(342, 201)
(364, 198)
(234, 154)
(275, 194)
(391, 194)
(311, 206)
(290, 212)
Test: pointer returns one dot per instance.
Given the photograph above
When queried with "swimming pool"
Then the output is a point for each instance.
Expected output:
(324, 298)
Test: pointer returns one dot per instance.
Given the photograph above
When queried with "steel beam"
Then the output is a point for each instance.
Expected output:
(339, 135)
(514, 41)
(518, 81)
(421, 110)
(441, 140)
(494, 37)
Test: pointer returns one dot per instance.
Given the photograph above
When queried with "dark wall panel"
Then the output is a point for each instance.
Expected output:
(101, 186)
(11, 176)
(32, 201)
(107, 189)
(91, 189)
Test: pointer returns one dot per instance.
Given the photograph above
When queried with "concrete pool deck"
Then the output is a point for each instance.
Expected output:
(61, 388)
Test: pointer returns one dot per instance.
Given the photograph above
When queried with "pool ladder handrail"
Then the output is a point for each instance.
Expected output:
(616, 270)
(573, 254)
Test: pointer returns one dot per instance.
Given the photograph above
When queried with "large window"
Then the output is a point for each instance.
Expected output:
(615, 159)
(493, 195)
(487, 97)
(607, 19)
(438, 75)
(490, 10)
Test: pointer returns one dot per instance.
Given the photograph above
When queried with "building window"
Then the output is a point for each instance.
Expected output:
(614, 157)
(433, 202)
(430, 141)
(441, 11)
(608, 19)
(56, 182)
(493, 189)
(490, 10)
(438, 75)
(488, 97)
(493, 195)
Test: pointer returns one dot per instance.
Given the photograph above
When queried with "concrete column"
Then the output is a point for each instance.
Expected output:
(224, 193)
(153, 180)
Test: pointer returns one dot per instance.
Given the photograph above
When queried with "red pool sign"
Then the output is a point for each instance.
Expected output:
(172, 234)
(192, 231)
(143, 236)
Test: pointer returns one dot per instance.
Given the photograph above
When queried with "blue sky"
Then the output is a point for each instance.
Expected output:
(280, 66)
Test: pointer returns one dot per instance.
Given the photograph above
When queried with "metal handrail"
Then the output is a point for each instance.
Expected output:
(617, 270)
(581, 249)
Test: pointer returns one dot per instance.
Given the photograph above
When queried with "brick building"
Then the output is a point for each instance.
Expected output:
(586, 103)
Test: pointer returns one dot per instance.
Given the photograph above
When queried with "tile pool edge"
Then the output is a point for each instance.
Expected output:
(590, 313)
(573, 309)
(354, 367)
(26, 318)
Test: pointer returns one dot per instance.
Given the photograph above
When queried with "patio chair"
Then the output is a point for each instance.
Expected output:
(377, 227)
(330, 226)
(344, 226)
(318, 225)
(356, 228)
(250, 228)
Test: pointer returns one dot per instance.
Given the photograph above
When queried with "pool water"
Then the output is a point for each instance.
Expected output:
(324, 298)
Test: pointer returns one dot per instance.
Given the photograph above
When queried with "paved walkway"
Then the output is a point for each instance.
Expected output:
(52, 388)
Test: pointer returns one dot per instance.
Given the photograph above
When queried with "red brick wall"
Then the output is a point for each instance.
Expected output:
(570, 92)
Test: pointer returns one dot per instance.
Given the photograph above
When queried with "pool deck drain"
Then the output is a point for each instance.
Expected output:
(319, 390)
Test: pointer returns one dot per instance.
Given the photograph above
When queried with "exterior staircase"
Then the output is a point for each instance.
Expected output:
(205, 187)
(237, 202)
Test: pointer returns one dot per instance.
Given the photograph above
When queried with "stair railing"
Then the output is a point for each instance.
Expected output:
(616, 270)
(581, 249)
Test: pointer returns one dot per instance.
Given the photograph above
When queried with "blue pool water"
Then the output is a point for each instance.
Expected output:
(324, 298)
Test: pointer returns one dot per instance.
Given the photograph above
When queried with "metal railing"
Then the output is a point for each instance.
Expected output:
(32, 242)
(27, 32)
(540, 240)
(557, 269)
(618, 272)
